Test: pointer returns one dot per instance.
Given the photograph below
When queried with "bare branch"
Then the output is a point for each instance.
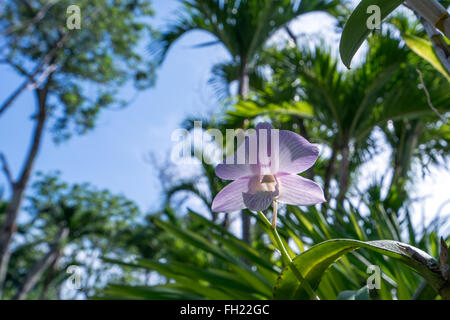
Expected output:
(31, 78)
(6, 170)
(291, 35)
(427, 93)
(42, 77)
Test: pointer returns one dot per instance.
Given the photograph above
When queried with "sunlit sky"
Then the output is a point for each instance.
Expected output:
(115, 155)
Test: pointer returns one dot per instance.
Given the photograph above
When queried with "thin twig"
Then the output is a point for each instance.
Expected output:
(291, 35)
(427, 94)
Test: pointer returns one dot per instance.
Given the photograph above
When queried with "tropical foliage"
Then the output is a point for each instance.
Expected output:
(364, 242)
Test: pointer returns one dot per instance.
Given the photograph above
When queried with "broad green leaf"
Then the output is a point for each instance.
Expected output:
(313, 263)
(361, 294)
(356, 31)
(251, 109)
(424, 49)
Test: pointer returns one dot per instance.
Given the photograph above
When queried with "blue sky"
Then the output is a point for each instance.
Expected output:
(113, 156)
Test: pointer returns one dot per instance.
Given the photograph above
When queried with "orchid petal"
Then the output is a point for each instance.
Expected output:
(296, 154)
(264, 126)
(296, 190)
(268, 148)
(235, 167)
(230, 198)
(235, 171)
(231, 169)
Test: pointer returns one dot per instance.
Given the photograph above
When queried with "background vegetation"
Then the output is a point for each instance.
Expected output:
(396, 97)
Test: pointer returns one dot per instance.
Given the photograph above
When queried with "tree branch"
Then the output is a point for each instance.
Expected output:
(434, 13)
(31, 78)
(6, 170)
(41, 265)
(291, 35)
(440, 46)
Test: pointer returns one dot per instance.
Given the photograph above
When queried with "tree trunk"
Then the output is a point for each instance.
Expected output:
(243, 80)
(330, 171)
(41, 266)
(9, 226)
(344, 173)
(403, 156)
(51, 275)
(243, 89)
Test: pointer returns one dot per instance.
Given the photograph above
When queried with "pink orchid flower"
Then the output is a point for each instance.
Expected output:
(257, 186)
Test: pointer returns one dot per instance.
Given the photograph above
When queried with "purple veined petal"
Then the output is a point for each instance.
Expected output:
(236, 171)
(231, 169)
(264, 125)
(296, 154)
(262, 191)
(231, 198)
(241, 164)
(296, 190)
(268, 142)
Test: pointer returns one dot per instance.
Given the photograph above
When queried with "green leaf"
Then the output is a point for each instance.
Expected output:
(240, 248)
(144, 293)
(313, 263)
(245, 271)
(424, 49)
(361, 294)
(424, 292)
(356, 31)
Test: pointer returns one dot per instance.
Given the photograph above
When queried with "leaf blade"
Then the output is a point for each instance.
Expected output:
(356, 31)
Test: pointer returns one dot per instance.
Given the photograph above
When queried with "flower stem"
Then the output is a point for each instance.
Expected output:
(286, 257)
(275, 210)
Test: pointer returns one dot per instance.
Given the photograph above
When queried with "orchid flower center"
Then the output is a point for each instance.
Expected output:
(268, 183)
